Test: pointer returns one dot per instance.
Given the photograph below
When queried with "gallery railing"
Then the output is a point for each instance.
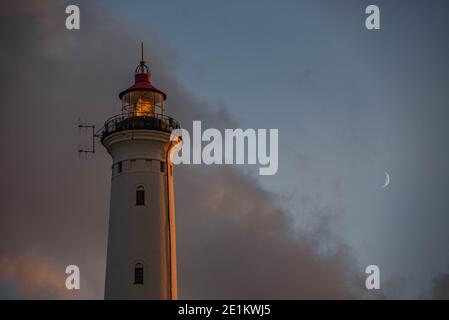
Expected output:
(132, 121)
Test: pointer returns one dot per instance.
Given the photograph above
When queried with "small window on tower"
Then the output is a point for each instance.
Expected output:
(138, 273)
(119, 167)
(140, 196)
(162, 166)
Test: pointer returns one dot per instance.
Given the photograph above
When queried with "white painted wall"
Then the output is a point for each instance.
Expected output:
(140, 233)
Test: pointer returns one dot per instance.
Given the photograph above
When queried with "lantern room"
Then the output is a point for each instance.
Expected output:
(142, 107)
(142, 98)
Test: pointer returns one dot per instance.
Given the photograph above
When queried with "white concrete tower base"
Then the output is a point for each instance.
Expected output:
(141, 235)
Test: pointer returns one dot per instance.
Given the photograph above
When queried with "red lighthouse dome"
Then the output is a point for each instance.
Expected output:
(142, 81)
(142, 98)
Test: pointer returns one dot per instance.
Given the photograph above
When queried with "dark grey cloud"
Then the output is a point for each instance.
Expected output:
(440, 289)
(235, 240)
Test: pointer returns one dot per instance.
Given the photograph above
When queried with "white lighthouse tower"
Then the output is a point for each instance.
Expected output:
(141, 255)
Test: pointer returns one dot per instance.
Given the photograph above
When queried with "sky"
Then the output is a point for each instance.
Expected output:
(349, 104)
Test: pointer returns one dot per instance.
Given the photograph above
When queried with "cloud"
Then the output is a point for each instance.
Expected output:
(440, 290)
(235, 240)
(33, 277)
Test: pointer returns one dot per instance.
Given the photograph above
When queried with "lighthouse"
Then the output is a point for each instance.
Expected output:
(141, 253)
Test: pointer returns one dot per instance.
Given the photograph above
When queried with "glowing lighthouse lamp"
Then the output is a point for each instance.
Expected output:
(141, 255)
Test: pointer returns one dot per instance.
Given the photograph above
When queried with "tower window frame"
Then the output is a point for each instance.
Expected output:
(140, 196)
(138, 273)
(162, 167)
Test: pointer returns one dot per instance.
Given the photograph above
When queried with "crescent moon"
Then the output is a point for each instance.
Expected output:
(387, 180)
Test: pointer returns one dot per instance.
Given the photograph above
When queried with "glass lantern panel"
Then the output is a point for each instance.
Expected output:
(142, 103)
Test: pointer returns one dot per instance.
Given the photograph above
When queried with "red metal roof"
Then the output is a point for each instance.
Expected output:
(142, 81)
